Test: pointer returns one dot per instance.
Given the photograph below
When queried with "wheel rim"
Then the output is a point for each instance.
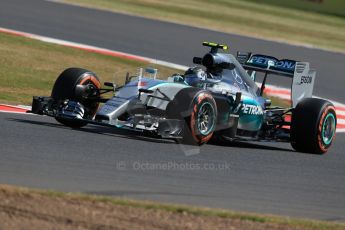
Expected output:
(205, 118)
(328, 129)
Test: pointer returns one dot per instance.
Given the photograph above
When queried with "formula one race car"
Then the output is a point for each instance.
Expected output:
(218, 98)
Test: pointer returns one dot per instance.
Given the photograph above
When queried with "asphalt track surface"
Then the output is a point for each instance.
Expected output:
(266, 178)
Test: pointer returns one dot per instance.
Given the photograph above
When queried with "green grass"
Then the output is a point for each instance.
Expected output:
(276, 101)
(331, 7)
(237, 16)
(29, 67)
(197, 211)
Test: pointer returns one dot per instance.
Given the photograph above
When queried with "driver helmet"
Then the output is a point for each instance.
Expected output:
(194, 76)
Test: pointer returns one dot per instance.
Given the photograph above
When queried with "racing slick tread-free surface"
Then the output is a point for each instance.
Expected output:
(186, 106)
(306, 120)
(64, 88)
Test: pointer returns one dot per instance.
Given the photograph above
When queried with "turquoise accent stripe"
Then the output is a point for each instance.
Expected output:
(325, 139)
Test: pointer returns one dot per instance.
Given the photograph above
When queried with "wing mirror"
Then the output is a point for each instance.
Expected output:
(197, 60)
(109, 84)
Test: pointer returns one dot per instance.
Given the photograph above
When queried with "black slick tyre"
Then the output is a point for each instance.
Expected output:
(313, 126)
(199, 111)
(64, 88)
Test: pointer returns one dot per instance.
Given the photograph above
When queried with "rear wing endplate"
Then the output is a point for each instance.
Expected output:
(303, 77)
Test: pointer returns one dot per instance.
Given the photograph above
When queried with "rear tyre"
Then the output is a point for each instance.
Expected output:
(313, 126)
(199, 111)
(64, 88)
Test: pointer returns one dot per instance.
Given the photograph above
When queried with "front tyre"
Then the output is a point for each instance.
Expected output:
(64, 89)
(199, 111)
(313, 126)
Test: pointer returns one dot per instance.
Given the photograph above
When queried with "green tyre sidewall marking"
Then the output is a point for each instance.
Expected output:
(328, 140)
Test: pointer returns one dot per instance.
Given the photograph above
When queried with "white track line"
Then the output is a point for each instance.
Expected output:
(32, 114)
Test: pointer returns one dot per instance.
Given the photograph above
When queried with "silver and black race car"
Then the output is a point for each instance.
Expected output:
(217, 98)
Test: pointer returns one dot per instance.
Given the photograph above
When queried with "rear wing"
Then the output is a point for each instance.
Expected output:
(303, 77)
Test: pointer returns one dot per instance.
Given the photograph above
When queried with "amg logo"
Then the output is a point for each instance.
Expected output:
(252, 109)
